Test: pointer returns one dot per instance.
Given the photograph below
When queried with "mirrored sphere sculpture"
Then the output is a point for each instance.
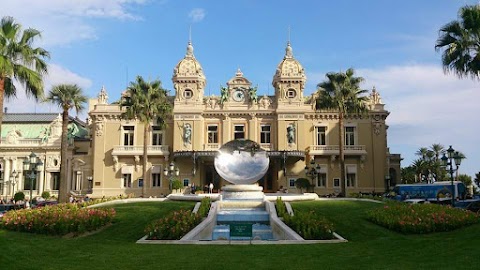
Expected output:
(241, 162)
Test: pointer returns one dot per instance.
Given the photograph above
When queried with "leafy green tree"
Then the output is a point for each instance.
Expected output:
(341, 93)
(408, 175)
(460, 41)
(466, 179)
(146, 102)
(176, 184)
(67, 97)
(20, 61)
(477, 179)
(302, 183)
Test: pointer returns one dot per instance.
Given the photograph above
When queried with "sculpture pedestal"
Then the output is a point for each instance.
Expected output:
(243, 192)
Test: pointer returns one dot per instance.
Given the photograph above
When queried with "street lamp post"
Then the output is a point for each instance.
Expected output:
(387, 178)
(170, 173)
(30, 166)
(13, 181)
(448, 163)
(313, 171)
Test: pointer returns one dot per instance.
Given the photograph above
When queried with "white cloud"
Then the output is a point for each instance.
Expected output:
(63, 22)
(197, 14)
(56, 75)
(428, 107)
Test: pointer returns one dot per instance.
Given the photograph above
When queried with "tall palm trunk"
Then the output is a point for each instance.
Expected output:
(341, 143)
(2, 96)
(63, 192)
(146, 131)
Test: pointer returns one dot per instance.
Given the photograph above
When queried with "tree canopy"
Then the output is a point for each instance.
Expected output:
(460, 42)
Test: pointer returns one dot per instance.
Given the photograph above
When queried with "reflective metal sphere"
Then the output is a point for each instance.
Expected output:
(241, 162)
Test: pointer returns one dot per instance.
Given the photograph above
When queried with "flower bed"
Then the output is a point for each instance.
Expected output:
(310, 226)
(59, 219)
(421, 218)
(175, 225)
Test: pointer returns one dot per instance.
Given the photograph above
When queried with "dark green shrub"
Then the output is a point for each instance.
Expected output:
(310, 226)
(302, 183)
(280, 206)
(176, 184)
(204, 207)
(19, 196)
(46, 195)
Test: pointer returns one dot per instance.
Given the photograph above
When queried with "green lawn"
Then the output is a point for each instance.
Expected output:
(369, 246)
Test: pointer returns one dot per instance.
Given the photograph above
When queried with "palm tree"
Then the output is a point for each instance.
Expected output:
(67, 97)
(460, 40)
(462, 157)
(341, 93)
(20, 61)
(421, 168)
(422, 153)
(147, 102)
(438, 150)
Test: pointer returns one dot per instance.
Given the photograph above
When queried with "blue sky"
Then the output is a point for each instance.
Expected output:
(389, 43)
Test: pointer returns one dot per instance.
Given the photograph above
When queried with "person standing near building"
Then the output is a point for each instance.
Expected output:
(210, 188)
(193, 188)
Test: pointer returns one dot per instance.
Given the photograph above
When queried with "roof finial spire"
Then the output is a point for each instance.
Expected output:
(288, 50)
(190, 34)
(189, 46)
(288, 38)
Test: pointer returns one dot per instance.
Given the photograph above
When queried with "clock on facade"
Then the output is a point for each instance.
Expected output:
(238, 95)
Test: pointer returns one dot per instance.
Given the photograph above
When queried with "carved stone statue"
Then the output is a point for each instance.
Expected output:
(223, 94)
(71, 132)
(252, 92)
(45, 134)
(291, 133)
(375, 97)
(13, 136)
(187, 134)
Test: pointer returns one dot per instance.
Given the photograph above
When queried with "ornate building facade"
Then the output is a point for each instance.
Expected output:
(40, 134)
(107, 160)
(285, 124)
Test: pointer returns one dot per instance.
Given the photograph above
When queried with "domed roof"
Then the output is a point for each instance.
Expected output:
(189, 66)
(289, 66)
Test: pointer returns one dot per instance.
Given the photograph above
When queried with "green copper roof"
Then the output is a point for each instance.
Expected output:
(34, 125)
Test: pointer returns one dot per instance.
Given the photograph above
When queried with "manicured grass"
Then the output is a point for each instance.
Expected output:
(369, 247)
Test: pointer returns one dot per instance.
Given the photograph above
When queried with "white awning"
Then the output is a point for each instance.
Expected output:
(323, 168)
(351, 169)
(156, 169)
(127, 169)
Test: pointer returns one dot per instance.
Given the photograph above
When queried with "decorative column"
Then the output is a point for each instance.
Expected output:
(6, 176)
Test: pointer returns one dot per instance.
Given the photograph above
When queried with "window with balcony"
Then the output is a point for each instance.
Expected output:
(239, 132)
(156, 179)
(127, 180)
(212, 133)
(349, 135)
(321, 135)
(128, 135)
(157, 135)
(265, 133)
